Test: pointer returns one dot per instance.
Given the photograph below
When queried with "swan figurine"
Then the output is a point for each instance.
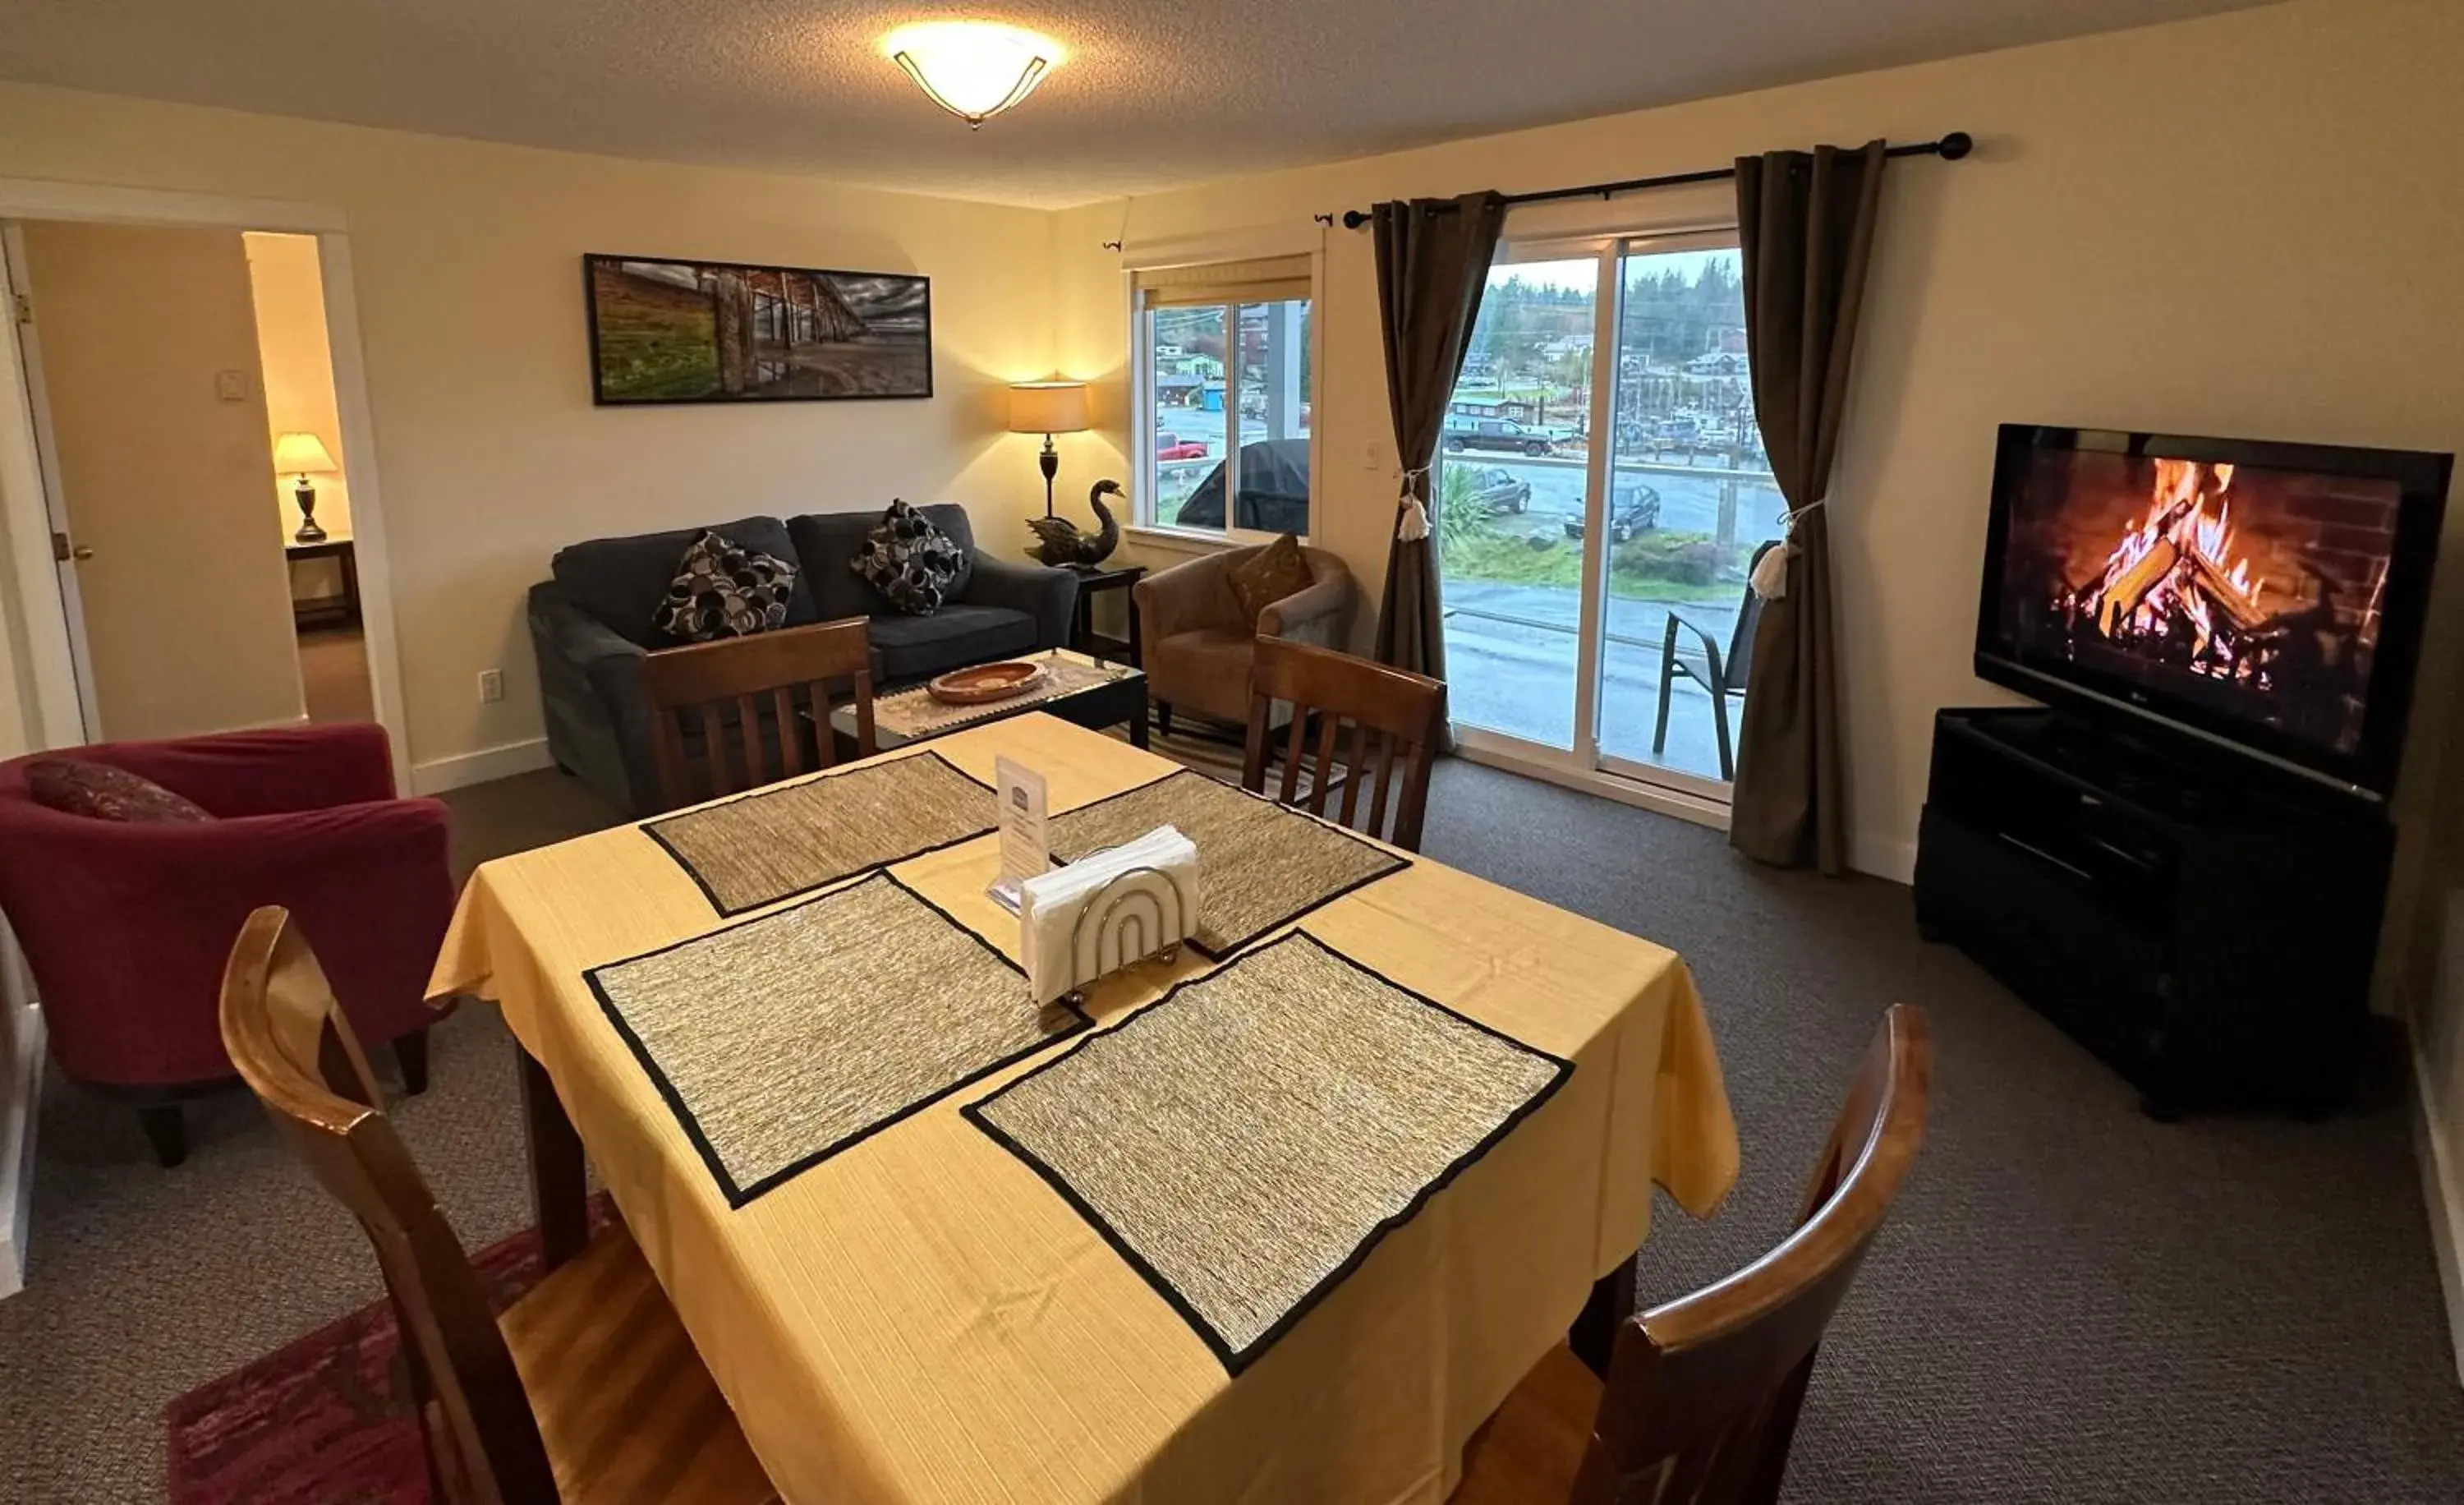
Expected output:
(1058, 540)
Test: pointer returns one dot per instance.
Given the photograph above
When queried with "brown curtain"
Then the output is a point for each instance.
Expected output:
(1433, 260)
(1807, 225)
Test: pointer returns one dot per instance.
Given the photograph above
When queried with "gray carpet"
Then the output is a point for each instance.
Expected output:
(2070, 1304)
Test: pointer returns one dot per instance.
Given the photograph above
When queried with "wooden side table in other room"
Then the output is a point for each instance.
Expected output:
(336, 610)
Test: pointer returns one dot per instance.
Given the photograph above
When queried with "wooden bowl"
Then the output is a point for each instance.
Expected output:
(985, 682)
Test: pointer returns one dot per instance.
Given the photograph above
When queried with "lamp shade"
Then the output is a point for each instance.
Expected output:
(1048, 406)
(973, 69)
(302, 455)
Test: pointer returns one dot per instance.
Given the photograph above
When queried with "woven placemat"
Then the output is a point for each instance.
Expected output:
(1259, 863)
(1245, 1140)
(759, 848)
(783, 1040)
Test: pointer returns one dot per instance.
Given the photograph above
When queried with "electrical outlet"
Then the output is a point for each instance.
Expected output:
(492, 686)
(232, 386)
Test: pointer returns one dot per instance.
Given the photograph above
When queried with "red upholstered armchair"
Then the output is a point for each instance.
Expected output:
(126, 927)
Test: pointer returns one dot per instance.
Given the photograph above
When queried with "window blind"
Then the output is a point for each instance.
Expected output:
(1265, 280)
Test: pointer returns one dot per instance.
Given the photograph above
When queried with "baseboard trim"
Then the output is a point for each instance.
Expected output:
(1884, 857)
(2442, 1192)
(25, 1081)
(458, 772)
(1606, 785)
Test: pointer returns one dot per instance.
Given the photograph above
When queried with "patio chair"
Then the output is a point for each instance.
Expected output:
(1722, 677)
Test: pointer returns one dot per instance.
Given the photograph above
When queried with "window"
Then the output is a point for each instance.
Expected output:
(1225, 362)
(1601, 492)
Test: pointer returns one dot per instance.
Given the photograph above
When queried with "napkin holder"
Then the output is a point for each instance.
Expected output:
(1138, 912)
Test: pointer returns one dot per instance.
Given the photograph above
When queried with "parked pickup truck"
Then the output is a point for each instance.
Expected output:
(1633, 509)
(1500, 433)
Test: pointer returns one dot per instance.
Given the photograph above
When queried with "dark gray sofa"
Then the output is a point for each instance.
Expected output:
(590, 627)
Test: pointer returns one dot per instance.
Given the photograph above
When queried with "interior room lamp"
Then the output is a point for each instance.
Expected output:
(304, 454)
(973, 69)
(1047, 409)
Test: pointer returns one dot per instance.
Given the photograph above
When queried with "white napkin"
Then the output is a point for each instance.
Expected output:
(1141, 914)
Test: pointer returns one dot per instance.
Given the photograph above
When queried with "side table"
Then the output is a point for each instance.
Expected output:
(1083, 637)
(328, 610)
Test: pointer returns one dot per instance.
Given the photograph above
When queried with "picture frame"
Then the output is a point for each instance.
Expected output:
(668, 330)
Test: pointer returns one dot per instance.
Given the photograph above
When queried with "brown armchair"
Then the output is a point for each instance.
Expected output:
(1197, 645)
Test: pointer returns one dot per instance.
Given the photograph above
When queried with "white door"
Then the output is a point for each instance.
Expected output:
(64, 553)
(151, 418)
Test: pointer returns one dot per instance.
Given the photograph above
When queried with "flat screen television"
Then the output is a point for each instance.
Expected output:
(2268, 596)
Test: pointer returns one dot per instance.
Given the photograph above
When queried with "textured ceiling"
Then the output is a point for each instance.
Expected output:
(1156, 93)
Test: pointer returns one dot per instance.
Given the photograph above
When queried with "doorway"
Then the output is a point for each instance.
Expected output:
(168, 369)
(1602, 496)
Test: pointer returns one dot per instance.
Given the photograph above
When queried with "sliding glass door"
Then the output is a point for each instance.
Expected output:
(1511, 488)
(1601, 492)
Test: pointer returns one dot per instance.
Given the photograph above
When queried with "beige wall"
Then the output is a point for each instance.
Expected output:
(2240, 225)
(297, 356)
(466, 259)
(187, 617)
(2247, 225)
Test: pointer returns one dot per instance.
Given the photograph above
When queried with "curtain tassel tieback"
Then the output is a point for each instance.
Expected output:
(1412, 517)
(1769, 579)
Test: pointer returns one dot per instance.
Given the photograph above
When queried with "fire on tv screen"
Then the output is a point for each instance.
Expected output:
(2252, 593)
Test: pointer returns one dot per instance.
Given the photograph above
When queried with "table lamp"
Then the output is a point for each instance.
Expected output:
(1047, 409)
(304, 454)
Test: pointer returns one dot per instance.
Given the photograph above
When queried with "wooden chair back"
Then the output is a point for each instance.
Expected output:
(1703, 1393)
(708, 679)
(293, 1047)
(1395, 717)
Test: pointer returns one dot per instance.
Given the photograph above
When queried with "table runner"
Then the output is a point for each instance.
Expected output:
(791, 838)
(914, 714)
(1260, 864)
(783, 1040)
(919, 1320)
(1244, 1142)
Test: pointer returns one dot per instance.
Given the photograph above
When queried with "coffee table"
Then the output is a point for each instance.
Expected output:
(1085, 691)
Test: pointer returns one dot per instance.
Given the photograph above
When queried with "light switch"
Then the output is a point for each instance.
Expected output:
(232, 386)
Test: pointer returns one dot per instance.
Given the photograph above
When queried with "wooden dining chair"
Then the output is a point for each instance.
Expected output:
(1395, 719)
(1703, 1393)
(707, 681)
(586, 1390)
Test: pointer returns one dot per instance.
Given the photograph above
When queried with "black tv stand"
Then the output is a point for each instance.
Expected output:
(2203, 920)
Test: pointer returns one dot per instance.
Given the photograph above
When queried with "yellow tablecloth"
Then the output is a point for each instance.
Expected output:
(921, 1318)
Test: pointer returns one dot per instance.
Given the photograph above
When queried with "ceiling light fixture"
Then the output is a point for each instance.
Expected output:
(973, 69)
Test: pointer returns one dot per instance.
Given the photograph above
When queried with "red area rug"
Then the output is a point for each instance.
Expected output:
(327, 1420)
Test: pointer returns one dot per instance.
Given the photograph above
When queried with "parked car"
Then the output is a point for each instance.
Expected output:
(1170, 448)
(1494, 491)
(1274, 492)
(1499, 434)
(1631, 510)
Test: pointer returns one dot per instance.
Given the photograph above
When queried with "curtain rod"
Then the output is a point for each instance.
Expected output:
(1950, 148)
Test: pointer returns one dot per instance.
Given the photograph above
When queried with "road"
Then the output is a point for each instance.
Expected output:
(1687, 503)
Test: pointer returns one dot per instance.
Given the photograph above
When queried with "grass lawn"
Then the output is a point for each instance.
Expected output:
(1650, 567)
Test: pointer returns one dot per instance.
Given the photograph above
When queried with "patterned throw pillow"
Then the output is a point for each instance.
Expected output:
(1269, 575)
(722, 591)
(909, 560)
(102, 792)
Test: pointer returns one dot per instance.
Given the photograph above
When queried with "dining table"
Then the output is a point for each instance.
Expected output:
(918, 1316)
